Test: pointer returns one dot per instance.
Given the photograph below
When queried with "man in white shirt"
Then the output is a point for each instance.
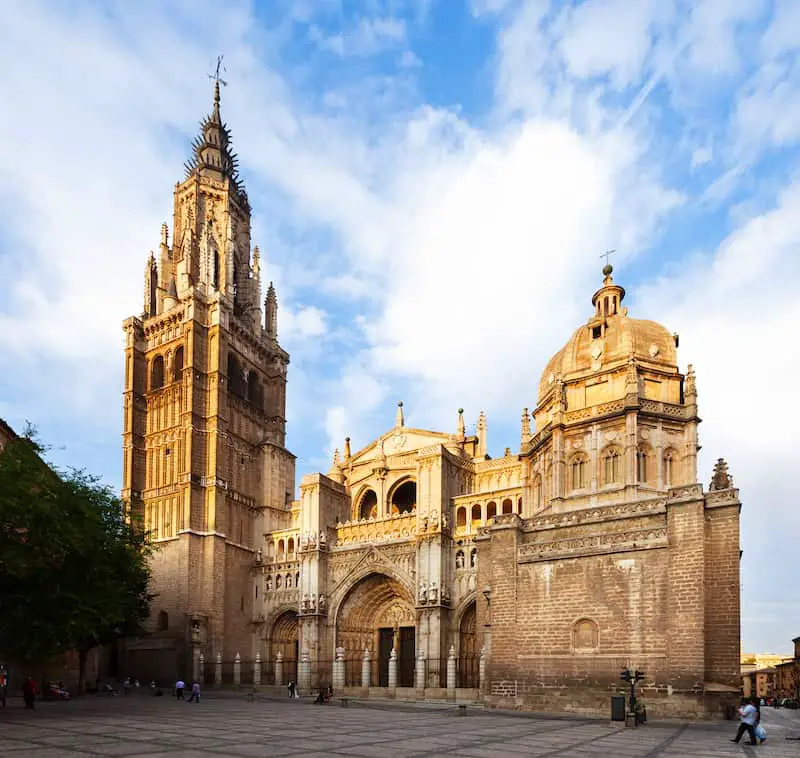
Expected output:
(180, 685)
(748, 715)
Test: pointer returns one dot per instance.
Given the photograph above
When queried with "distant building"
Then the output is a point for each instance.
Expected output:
(787, 675)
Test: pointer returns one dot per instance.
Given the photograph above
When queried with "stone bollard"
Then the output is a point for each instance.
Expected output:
(451, 669)
(195, 664)
(393, 670)
(304, 671)
(257, 670)
(366, 669)
(419, 671)
(338, 670)
(218, 671)
(237, 670)
(482, 668)
(279, 668)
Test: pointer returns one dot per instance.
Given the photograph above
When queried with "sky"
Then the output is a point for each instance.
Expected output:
(433, 183)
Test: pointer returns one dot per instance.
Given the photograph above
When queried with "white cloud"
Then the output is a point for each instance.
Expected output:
(304, 322)
(702, 155)
(369, 36)
(609, 37)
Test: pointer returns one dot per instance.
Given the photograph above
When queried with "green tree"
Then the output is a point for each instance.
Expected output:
(73, 565)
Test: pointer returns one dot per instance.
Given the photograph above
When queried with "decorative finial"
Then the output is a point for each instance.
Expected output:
(336, 459)
(217, 78)
(399, 418)
(608, 268)
(526, 426)
(721, 479)
(461, 428)
(346, 448)
(691, 382)
(164, 234)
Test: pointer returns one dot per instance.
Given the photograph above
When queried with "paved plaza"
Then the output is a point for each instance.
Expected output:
(229, 725)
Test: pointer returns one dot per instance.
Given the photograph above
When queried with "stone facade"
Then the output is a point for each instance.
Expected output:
(204, 415)
(418, 561)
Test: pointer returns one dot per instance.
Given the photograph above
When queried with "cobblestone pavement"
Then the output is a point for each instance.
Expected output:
(229, 725)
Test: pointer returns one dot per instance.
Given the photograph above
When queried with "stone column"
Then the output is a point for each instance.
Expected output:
(257, 670)
(218, 671)
(393, 669)
(338, 669)
(202, 662)
(366, 669)
(279, 668)
(419, 673)
(237, 670)
(451, 669)
(195, 664)
(482, 668)
(304, 671)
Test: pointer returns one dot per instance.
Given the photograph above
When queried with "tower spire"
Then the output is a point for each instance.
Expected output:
(271, 313)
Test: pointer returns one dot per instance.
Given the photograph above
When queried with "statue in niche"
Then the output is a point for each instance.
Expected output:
(268, 583)
(423, 593)
(459, 560)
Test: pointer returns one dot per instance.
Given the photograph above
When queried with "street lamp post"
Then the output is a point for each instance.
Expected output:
(632, 677)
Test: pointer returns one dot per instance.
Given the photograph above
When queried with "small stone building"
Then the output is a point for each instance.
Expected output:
(418, 563)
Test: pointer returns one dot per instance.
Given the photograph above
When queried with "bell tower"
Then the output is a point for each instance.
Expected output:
(204, 412)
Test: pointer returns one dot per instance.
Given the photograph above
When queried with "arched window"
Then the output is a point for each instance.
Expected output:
(585, 635)
(644, 466)
(368, 505)
(216, 270)
(297, 579)
(491, 510)
(519, 506)
(404, 498)
(281, 550)
(508, 506)
(461, 518)
(537, 492)
(235, 380)
(476, 514)
(163, 621)
(252, 387)
(612, 468)
(177, 365)
(669, 468)
(157, 373)
(290, 548)
(578, 473)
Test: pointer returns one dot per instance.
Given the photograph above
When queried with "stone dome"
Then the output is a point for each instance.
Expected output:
(610, 338)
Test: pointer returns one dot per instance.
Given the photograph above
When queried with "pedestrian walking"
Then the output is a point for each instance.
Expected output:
(29, 692)
(180, 685)
(747, 715)
(195, 696)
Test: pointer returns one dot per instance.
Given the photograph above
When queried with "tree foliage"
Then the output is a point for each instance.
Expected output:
(73, 567)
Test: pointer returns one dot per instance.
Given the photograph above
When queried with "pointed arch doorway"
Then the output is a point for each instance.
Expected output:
(378, 613)
(284, 639)
(468, 656)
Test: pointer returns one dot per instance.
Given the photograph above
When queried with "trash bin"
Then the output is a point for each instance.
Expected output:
(618, 707)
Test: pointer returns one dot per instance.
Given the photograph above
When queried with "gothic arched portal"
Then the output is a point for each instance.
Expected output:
(284, 639)
(468, 658)
(378, 613)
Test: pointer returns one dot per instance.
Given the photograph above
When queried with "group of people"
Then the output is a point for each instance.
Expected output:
(750, 722)
(180, 688)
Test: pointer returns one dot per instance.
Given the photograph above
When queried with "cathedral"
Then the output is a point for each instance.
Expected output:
(418, 566)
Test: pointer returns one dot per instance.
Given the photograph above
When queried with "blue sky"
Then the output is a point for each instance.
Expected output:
(433, 183)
